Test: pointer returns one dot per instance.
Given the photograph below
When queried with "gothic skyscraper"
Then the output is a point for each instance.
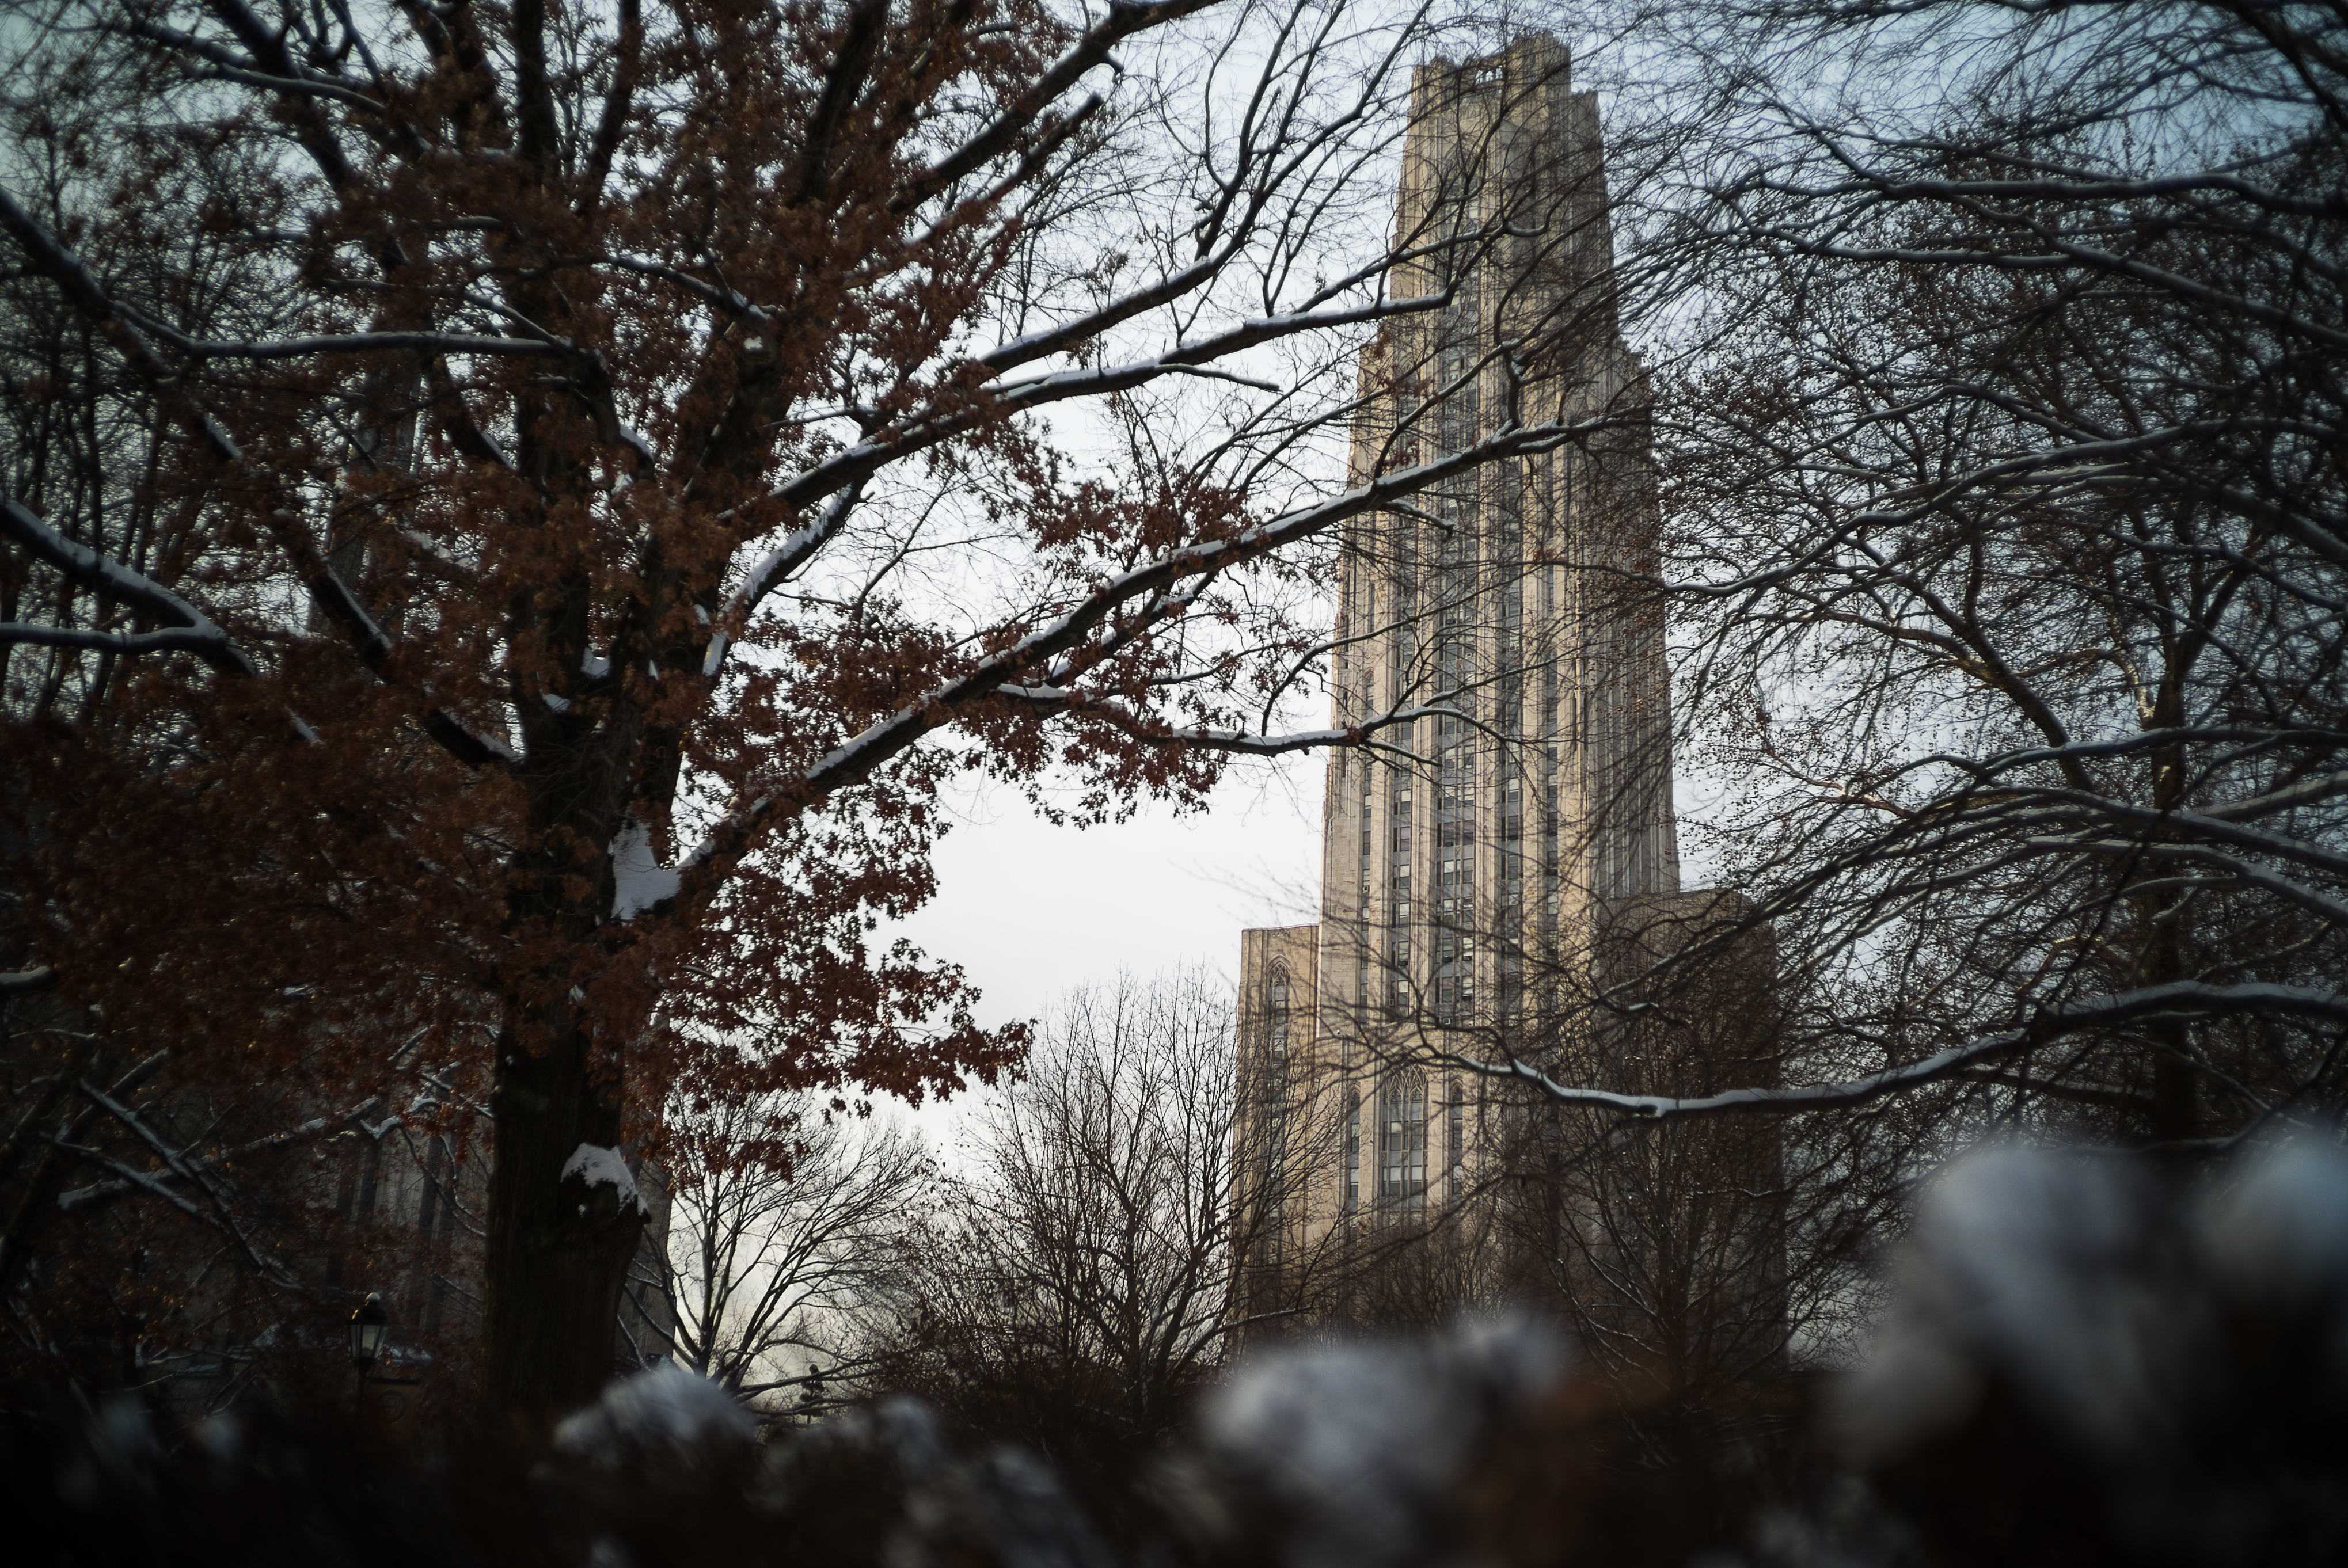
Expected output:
(1482, 861)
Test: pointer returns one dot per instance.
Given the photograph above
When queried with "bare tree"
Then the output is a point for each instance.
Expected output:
(786, 1220)
(2001, 550)
(2004, 505)
(1113, 1233)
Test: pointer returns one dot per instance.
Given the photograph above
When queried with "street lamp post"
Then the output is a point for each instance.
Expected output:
(369, 1326)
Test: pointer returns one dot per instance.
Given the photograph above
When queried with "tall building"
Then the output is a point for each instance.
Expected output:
(1490, 864)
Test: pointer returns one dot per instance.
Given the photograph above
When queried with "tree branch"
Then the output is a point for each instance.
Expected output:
(858, 758)
(193, 630)
(2178, 998)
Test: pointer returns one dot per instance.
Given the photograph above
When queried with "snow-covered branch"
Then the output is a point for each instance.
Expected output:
(333, 598)
(868, 457)
(1089, 52)
(99, 1191)
(2182, 998)
(215, 1209)
(1237, 742)
(191, 629)
(430, 342)
(777, 567)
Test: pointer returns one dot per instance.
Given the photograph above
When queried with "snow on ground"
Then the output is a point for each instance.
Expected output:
(664, 1406)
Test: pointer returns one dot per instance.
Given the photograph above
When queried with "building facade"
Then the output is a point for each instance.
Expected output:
(1492, 864)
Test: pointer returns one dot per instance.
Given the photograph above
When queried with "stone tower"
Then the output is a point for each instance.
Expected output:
(1481, 862)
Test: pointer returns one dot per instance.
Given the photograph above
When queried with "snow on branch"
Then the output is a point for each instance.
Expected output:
(2249, 872)
(128, 643)
(467, 744)
(1194, 358)
(215, 1212)
(597, 1165)
(2140, 741)
(795, 551)
(438, 343)
(332, 596)
(1040, 345)
(262, 79)
(99, 1191)
(2177, 999)
(2075, 187)
(1239, 743)
(866, 458)
(189, 630)
(2307, 852)
(129, 1176)
(2306, 791)
(2061, 251)
(1092, 50)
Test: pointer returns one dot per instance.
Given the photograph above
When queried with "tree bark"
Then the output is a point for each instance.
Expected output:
(558, 1248)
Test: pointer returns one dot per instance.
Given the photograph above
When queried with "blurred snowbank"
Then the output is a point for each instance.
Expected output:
(2093, 1358)
(2091, 1353)
(664, 1407)
(1368, 1454)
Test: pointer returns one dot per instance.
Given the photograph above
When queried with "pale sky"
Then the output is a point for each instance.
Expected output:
(1031, 910)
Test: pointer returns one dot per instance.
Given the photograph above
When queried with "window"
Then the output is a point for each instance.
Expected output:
(1455, 886)
(1275, 1115)
(1398, 853)
(1549, 863)
(1402, 584)
(1353, 1151)
(1279, 1018)
(1403, 1179)
(1455, 993)
(1456, 1142)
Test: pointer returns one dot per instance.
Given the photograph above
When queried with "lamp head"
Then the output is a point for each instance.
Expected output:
(369, 1326)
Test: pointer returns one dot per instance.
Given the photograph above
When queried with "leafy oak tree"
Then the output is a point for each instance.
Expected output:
(514, 511)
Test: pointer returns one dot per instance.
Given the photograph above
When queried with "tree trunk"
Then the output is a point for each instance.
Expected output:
(559, 1248)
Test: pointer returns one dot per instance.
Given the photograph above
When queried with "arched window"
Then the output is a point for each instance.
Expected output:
(1402, 1176)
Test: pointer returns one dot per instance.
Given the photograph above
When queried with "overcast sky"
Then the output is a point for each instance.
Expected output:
(1031, 910)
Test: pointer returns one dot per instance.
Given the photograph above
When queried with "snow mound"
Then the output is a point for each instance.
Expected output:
(1360, 1449)
(2151, 1356)
(662, 1406)
(2025, 1264)
(944, 1508)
